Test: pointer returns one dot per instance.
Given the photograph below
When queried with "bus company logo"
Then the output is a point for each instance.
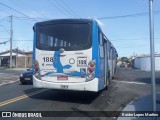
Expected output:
(83, 70)
(6, 114)
(71, 61)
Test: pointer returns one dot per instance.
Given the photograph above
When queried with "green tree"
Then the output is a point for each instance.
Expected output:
(125, 59)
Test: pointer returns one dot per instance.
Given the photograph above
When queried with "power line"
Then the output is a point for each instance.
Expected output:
(122, 39)
(23, 5)
(25, 18)
(64, 8)
(4, 11)
(135, 46)
(23, 40)
(16, 11)
(125, 16)
(56, 7)
(3, 18)
(4, 42)
(5, 29)
(4, 38)
(69, 9)
(111, 17)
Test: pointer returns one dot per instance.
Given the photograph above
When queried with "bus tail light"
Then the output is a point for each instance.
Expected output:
(91, 64)
(91, 70)
(36, 68)
(35, 63)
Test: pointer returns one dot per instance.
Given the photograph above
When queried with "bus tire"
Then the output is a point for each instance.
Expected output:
(106, 87)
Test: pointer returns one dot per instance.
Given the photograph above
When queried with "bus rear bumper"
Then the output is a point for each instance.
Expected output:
(84, 86)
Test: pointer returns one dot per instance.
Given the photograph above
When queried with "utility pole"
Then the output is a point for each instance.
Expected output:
(151, 18)
(17, 57)
(11, 32)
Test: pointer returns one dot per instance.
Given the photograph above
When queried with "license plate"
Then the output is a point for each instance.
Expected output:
(64, 86)
(62, 78)
(27, 78)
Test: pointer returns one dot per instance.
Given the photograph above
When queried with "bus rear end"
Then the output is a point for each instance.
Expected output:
(63, 55)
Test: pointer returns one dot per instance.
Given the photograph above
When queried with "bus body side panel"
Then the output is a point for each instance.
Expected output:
(101, 69)
(95, 55)
(106, 63)
(110, 67)
(112, 64)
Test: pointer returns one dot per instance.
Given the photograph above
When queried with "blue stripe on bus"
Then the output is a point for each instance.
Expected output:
(57, 63)
(34, 47)
(95, 52)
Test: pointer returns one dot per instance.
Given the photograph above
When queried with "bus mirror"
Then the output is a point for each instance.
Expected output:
(117, 55)
(33, 28)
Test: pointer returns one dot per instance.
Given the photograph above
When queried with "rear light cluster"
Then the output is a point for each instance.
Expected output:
(91, 70)
(36, 68)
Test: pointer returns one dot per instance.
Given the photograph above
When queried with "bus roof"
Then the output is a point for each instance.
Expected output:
(65, 20)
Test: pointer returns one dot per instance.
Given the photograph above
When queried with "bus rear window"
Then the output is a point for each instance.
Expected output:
(64, 35)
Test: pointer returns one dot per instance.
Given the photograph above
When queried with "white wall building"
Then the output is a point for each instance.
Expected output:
(144, 62)
(20, 58)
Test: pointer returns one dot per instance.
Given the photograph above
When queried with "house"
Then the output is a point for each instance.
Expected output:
(20, 59)
(143, 62)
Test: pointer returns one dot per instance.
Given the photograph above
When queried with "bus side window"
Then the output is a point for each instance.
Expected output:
(111, 53)
(109, 50)
(101, 45)
(100, 38)
(106, 45)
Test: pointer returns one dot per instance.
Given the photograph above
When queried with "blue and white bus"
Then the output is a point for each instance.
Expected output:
(72, 54)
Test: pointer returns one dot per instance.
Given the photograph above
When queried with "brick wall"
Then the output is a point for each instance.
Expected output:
(21, 61)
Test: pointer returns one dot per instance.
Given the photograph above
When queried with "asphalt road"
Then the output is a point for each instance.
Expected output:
(9, 75)
(128, 85)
